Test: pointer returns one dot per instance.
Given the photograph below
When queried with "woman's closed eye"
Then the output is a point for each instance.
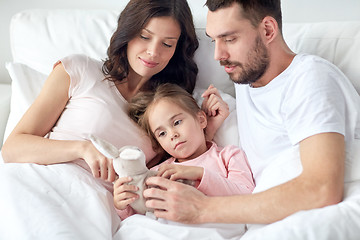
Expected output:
(144, 37)
(167, 45)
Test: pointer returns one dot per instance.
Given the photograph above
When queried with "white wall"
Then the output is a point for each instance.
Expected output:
(293, 11)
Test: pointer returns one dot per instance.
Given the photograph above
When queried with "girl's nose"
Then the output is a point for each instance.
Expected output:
(174, 135)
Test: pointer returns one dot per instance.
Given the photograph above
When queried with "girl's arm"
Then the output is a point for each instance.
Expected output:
(238, 178)
(26, 143)
(123, 196)
(216, 109)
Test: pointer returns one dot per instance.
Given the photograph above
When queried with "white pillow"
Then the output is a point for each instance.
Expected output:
(228, 133)
(25, 86)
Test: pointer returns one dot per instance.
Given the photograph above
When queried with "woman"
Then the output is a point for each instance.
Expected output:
(154, 42)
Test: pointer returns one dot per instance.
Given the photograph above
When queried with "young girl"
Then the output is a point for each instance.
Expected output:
(176, 124)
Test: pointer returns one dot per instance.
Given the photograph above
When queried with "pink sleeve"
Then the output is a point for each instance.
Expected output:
(127, 212)
(238, 179)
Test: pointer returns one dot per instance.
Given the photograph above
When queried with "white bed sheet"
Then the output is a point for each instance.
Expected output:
(64, 201)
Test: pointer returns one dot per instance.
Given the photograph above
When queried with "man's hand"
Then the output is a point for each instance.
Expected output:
(175, 201)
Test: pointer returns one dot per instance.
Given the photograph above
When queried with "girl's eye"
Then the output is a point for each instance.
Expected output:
(162, 134)
(177, 122)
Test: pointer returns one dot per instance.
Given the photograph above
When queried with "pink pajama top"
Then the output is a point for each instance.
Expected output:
(226, 172)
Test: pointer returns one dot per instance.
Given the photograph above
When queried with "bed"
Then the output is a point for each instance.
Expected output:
(64, 201)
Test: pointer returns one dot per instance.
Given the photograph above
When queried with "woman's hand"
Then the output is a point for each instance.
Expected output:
(101, 166)
(176, 171)
(216, 109)
(124, 193)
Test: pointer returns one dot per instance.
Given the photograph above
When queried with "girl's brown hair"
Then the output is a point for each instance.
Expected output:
(142, 103)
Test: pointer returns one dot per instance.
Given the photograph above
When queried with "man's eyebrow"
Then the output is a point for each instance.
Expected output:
(225, 34)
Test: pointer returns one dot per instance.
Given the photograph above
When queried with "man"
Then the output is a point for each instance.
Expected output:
(293, 121)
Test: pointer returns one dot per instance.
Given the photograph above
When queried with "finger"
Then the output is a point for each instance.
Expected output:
(103, 169)
(156, 204)
(213, 100)
(121, 181)
(122, 204)
(168, 173)
(208, 91)
(125, 195)
(111, 171)
(95, 169)
(161, 214)
(159, 182)
(125, 188)
(151, 193)
(204, 105)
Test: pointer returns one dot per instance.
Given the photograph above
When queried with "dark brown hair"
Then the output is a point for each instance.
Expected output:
(143, 101)
(253, 10)
(181, 69)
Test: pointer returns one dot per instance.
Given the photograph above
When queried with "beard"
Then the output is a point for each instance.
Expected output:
(258, 62)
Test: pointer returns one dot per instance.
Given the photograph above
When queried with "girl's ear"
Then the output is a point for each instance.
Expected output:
(201, 116)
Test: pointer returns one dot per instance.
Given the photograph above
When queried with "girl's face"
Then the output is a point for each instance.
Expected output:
(178, 132)
(150, 51)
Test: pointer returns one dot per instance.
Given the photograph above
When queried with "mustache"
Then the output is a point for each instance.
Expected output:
(227, 63)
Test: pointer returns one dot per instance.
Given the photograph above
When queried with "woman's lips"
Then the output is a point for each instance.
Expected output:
(149, 64)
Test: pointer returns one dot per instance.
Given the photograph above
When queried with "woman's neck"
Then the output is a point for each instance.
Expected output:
(131, 85)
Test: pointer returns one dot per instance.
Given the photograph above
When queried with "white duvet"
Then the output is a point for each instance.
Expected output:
(63, 201)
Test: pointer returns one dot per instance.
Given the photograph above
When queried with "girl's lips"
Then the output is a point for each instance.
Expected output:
(149, 64)
(178, 144)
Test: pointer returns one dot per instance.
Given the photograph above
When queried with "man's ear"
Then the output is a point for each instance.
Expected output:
(201, 116)
(270, 29)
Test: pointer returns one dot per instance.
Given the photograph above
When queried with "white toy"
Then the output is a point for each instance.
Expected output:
(128, 161)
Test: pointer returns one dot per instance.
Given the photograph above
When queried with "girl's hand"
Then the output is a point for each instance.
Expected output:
(216, 109)
(176, 171)
(101, 166)
(124, 193)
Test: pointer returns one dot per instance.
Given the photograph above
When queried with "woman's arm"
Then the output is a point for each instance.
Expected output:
(26, 143)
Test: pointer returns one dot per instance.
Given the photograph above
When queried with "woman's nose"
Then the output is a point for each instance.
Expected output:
(152, 50)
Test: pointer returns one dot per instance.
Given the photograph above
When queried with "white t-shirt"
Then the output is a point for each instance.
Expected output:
(96, 107)
(311, 96)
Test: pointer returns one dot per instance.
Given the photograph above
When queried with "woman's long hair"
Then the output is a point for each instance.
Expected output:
(181, 69)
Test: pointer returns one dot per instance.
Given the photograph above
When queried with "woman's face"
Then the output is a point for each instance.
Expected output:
(150, 51)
